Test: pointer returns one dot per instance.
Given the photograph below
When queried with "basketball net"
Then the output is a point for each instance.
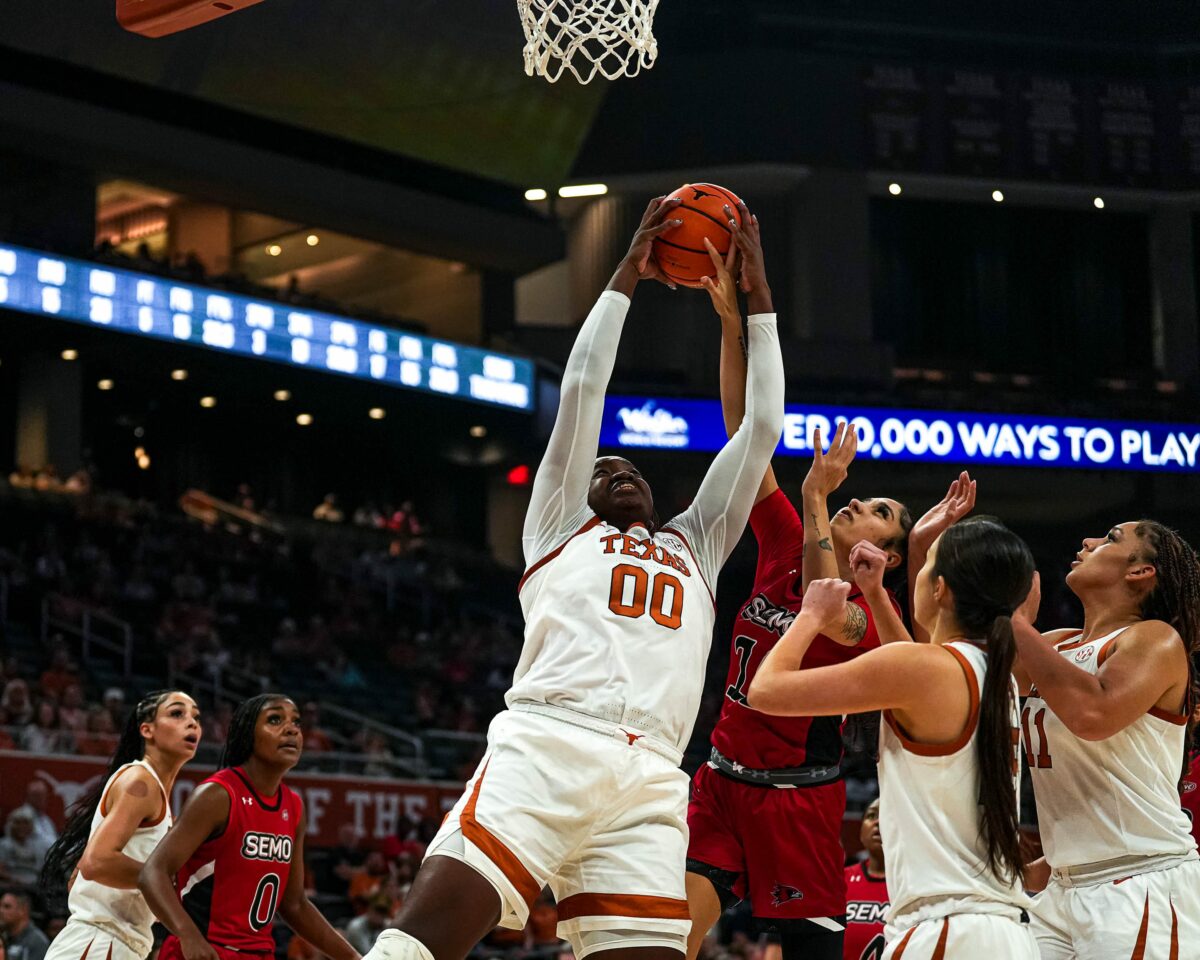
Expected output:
(613, 38)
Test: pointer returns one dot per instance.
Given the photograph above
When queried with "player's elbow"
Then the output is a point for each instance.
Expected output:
(760, 695)
(1089, 723)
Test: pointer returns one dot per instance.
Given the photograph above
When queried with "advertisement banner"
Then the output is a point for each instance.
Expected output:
(927, 436)
(376, 807)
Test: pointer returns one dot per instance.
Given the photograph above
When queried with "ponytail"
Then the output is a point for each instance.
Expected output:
(989, 570)
(63, 856)
(999, 814)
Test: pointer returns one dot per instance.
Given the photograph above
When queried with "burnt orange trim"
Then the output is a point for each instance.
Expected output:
(622, 905)
(83, 956)
(107, 790)
(943, 749)
(109, 957)
(1139, 948)
(1105, 652)
(1071, 644)
(494, 849)
(939, 952)
(1174, 954)
(1179, 719)
(695, 560)
(595, 521)
(904, 944)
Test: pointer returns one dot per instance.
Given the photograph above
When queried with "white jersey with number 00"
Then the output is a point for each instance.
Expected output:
(618, 623)
(1105, 799)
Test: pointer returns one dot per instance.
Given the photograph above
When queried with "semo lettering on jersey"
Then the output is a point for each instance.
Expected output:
(627, 546)
(765, 614)
(267, 846)
(866, 911)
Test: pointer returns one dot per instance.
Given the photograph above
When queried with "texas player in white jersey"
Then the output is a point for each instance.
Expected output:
(948, 763)
(580, 787)
(112, 832)
(1104, 729)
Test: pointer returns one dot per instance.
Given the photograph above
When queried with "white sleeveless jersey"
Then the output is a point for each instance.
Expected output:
(618, 627)
(122, 913)
(1100, 800)
(930, 812)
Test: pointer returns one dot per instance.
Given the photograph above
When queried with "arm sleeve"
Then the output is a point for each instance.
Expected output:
(715, 520)
(558, 503)
(780, 534)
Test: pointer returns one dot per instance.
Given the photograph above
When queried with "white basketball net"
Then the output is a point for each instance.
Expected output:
(614, 38)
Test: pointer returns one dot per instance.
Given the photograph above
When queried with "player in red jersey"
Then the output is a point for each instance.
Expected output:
(866, 894)
(766, 812)
(232, 850)
(1189, 786)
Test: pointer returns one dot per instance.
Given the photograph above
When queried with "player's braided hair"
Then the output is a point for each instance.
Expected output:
(1175, 599)
(63, 856)
(239, 743)
(989, 569)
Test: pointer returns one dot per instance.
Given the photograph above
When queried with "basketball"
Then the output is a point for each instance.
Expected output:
(680, 252)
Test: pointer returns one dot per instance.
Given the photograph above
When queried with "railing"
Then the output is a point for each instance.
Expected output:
(230, 684)
(90, 627)
(416, 765)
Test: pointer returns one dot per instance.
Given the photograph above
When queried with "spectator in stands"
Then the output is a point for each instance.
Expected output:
(316, 739)
(44, 735)
(363, 930)
(378, 756)
(21, 852)
(347, 858)
(72, 714)
(16, 703)
(328, 510)
(22, 940)
(47, 479)
(100, 739)
(368, 881)
(79, 483)
(37, 798)
(22, 477)
(60, 674)
(114, 703)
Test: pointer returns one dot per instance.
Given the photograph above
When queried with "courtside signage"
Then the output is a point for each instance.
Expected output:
(933, 436)
(154, 306)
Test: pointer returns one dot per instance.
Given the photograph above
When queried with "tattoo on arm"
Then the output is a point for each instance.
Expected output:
(855, 627)
(823, 543)
(745, 351)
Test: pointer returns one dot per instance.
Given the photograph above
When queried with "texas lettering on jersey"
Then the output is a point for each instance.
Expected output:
(646, 549)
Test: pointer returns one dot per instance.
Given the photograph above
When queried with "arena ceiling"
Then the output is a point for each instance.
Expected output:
(441, 81)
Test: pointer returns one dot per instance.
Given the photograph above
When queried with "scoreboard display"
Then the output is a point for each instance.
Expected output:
(152, 306)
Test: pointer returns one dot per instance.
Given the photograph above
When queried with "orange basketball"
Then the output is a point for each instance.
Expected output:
(680, 252)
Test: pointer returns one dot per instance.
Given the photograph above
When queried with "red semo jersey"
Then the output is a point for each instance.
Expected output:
(233, 883)
(866, 905)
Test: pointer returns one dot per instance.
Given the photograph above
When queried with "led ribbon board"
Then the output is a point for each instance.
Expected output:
(152, 306)
(929, 436)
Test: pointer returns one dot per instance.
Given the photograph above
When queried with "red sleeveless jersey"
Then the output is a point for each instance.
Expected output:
(866, 904)
(232, 885)
(755, 739)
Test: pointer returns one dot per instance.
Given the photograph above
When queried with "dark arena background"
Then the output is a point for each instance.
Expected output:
(285, 299)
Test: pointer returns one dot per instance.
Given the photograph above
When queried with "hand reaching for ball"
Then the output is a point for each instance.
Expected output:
(753, 277)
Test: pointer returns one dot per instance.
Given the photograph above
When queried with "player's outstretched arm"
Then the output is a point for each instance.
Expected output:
(1148, 662)
(559, 497)
(134, 798)
(723, 291)
(827, 472)
(868, 564)
(956, 504)
(300, 914)
(206, 813)
(717, 516)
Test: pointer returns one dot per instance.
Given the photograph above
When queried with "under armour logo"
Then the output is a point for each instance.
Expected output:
(285, 814)
(633, 737)
(247, 801)
(781, 893)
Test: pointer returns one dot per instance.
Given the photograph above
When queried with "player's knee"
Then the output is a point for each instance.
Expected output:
(589, 943)
(398, 945)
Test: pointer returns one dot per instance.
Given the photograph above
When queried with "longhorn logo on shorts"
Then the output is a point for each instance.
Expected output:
(782, 893)
(633, 737)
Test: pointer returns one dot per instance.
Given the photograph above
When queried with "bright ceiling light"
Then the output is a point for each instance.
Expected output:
(274, 250)
(479, 430)
(105, 384)
(283, 395)
(179, 374)
(304, 419)
(1098, 203)
(998, 196)
(535, 193)
(312, 239)
(583, 190)
(208, 402)
(895, 189)
(70, 354)
(377, 413)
